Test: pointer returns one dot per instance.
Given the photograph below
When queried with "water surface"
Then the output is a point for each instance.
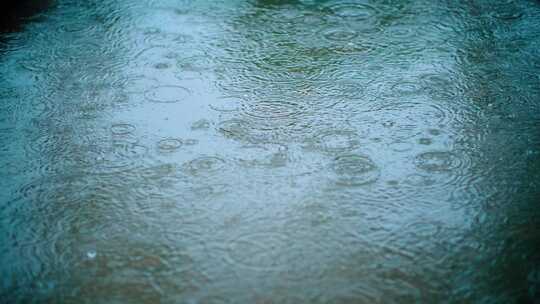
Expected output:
(304, 151)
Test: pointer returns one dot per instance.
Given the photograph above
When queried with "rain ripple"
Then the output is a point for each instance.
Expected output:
(356, 11)
(273, 114)
(204, 165)
(167, 94)
(113, 157)
(355, 170)
(170, 144)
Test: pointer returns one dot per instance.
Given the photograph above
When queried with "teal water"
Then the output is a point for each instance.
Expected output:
(175, 151)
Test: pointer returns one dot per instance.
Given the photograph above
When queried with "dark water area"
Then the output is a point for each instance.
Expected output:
(16, 13)
(243, 151)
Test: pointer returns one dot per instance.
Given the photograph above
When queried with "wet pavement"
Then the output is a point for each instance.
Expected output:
(175, 151)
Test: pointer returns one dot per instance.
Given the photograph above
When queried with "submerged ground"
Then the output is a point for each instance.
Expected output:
(271, 152)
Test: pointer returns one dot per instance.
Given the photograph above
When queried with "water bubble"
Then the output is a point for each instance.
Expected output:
(91, 254)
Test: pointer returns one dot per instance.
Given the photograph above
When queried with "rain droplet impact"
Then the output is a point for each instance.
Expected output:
(122, 129)
(355, 170)
(436, 161)
(355, 11)
(339, 34)
(235, 129)
(204, 165)
(264, 155)
(169, 144)
(167, 94)
(401, 146)
(337, 141)
(201, 124)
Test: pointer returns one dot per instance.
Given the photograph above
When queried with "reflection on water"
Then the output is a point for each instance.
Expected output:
(271, 151)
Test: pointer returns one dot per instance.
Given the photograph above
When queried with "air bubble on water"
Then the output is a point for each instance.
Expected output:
(91, 254)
